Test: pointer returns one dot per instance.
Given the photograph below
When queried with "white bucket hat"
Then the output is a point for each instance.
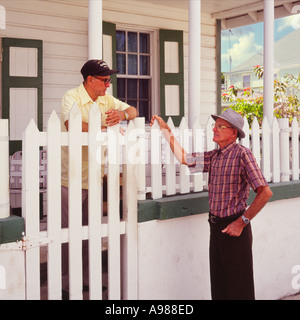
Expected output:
(234, 118)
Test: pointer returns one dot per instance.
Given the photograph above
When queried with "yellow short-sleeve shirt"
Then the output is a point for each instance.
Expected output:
(84, 102)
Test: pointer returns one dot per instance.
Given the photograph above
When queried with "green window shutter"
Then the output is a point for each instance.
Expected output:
(171, 75)
(22, 82)
(109, 54)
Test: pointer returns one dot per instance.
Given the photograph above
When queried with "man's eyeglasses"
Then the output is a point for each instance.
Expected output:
(106, 81)
(219, 126)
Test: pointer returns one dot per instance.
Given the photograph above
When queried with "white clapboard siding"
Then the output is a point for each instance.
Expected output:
(95, 201)
(295, 149)
(275, 152)
(30, 209)
(75, 204)
(113, 213)
(54, 207)
(170, 165)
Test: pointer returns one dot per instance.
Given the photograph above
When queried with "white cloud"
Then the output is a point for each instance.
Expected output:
(292, 21)
(243, 49)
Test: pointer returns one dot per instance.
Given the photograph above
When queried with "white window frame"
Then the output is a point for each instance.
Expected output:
(154, 65)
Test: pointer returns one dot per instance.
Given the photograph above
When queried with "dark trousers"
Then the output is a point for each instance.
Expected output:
(231, 266)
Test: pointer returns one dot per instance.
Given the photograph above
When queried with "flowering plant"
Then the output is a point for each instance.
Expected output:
(286, 98)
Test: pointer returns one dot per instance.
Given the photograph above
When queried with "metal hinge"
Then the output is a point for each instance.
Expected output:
(25, 244)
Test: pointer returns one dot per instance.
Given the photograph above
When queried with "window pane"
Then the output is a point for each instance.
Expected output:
(132, 42)
(132, 103)
(121, 63)
(144, 65)
(144, 89)
(121, 88)
(132, 64)
(132, 88)
(144, 43)
(144, 110)
(120, 41)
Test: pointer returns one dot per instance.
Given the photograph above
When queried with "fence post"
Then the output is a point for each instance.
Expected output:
(4, 169)
(54, 206)
(30, 207)
(130, 259)
(75, 204)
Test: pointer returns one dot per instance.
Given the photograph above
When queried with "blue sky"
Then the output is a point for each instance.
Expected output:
(247, 41)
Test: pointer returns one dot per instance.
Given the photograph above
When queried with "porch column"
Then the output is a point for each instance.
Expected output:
(269, 59)
(194, 61)
(95, 29)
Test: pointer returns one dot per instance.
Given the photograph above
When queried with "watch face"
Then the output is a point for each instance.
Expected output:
(245, 220)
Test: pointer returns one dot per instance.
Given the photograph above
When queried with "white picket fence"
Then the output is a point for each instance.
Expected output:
(275, 147)
(121, 283)
(148, 168)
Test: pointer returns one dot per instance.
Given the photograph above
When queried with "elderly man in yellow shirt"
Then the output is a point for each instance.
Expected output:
(96, 79)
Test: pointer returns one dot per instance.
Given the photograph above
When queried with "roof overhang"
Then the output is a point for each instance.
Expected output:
(235, 13)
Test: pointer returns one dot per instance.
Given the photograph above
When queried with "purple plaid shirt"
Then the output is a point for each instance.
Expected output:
(232, 171)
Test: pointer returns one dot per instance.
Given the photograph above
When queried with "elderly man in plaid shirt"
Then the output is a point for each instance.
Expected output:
(232, 171)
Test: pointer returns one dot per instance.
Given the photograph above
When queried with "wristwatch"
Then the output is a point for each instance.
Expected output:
(126, 115)
(245, 220)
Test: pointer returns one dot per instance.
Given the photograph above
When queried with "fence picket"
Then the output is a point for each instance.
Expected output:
(197, 147)
(275, 152)
(210, 144)
(184, 178)
(30, 209)
(284, 149)
(113, 213)
(94, 203)
(130, 271)
(139, 124)
(246, 141)
(295, 149)
(266, 149)
(256, 141)
(54, 207)
(170, 165)
(75, 204)
(156, 171)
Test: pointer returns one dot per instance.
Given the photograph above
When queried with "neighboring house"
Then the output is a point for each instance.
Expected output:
(286, 61)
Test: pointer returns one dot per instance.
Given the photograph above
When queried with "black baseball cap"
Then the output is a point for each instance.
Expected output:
(96, 68)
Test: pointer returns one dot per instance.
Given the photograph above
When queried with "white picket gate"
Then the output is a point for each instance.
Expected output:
(122, 264)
